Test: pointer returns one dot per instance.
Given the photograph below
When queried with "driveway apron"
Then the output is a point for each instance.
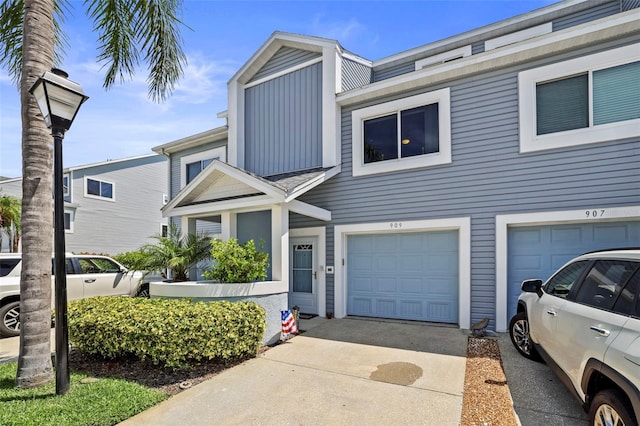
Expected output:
(347, 371)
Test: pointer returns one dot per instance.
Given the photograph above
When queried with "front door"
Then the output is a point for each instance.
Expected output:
(303, 275)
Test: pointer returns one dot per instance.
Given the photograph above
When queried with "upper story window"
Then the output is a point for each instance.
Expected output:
(66, 185)
(94, 188)
(404, 134)
(192, 165)
(590, 99)
(193, 169)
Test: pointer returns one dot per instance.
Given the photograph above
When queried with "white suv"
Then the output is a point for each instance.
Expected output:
(585, 323)
(87, 276)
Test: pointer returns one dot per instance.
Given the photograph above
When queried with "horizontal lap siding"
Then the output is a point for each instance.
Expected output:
(488, 177)
(283, 119)
(591, 14)
(284, 59)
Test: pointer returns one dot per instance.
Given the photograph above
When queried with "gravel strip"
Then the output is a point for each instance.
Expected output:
(486, 399)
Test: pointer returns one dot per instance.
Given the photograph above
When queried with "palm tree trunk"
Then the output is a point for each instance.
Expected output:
(34, 363)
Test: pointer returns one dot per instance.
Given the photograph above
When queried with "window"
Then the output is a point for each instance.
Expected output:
(164, 230)
(7, 265)
(627, 303)
(604, 282)
(98, 265)
(66, 185)
(561, 283)
(591, 99)
(95, 188)
(403, 134)
(69, 218)
(196, 167)
(192, 165)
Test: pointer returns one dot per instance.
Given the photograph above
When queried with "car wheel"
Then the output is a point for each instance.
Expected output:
(519, 333)
(610, 408)
(144, 291)
(10, 319)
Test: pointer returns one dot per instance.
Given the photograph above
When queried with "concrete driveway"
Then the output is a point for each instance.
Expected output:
(347, 371)
(539, 398)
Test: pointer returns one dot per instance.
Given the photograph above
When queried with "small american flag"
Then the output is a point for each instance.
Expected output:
(288, 323)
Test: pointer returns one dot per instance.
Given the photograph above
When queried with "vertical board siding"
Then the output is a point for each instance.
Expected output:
(284, 58)
(355, 74)
(283, 123)
(488, 176)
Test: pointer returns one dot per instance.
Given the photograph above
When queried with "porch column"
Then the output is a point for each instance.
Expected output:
(280, 243)
(229, 225)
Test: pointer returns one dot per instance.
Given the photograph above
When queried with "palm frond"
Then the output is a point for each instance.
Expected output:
(11, 18)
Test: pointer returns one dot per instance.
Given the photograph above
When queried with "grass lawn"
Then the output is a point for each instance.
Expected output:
(104, 402)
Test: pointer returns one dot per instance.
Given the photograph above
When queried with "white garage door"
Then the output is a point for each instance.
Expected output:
(406, 276)
(538, 251)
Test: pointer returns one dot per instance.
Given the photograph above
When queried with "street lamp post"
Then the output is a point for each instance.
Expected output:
(59, 100)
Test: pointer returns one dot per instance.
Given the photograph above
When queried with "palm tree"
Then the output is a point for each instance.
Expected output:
(175, 252)
(31, 40)
(10, 209)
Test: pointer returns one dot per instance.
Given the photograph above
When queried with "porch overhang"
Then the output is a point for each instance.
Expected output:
(221, 187)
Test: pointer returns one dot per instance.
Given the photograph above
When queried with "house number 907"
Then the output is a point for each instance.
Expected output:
(595, 213)
(395, 225)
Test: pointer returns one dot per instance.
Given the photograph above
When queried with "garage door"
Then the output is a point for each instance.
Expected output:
(538, 251)
(406, 276)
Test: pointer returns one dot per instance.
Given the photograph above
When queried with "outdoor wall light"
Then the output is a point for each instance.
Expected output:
(59, 100)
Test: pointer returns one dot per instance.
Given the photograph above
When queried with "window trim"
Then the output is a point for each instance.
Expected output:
(358, 117)
(99, 197)
(220, 152)
(72, 219)
(66, 188)
(530, 141)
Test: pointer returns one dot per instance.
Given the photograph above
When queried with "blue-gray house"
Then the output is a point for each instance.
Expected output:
(427, 185)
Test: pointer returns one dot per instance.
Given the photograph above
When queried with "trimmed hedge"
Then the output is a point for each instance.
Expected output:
(171, 332)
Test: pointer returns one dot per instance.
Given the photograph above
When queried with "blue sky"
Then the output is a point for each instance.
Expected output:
(123, 122)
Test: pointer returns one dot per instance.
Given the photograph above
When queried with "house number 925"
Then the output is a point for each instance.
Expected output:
(595, 213)
(395, 225)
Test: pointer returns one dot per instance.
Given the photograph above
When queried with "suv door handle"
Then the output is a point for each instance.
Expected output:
(90, 280)
(552, 313)
(600, 331)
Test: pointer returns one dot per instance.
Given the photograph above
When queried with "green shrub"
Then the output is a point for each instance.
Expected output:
(235, 263)
(170, 332)
(133, 260)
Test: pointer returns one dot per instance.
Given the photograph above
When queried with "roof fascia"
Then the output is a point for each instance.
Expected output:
(207, 209)
(312, 183)
(272, 45)
(491, 30)
(108, 162)
(309, 210)
(213, 135)
(602, 30)
(275, 194)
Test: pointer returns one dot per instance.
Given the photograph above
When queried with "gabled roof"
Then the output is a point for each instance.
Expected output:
(220, 187)
(277, 40)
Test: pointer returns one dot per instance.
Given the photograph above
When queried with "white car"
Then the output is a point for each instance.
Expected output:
(87, 276)
(585, 323)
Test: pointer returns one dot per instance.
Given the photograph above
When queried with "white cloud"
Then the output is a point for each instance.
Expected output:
(343, 30)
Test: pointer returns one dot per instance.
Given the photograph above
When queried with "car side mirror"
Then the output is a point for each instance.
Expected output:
(532, 286)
